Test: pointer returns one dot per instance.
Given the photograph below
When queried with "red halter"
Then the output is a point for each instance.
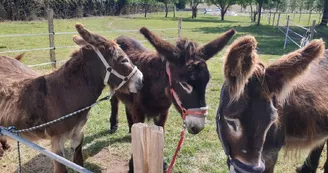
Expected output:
(184, 112)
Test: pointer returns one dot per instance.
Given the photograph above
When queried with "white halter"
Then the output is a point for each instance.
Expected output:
(110, 70)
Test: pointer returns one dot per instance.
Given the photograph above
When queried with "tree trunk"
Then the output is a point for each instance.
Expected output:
(324, 19)
(251, 12)
(259, 17)
(166, 9)
(310, 17)
(146, 5)
(223, 13)
(254, 17)
(194, 11)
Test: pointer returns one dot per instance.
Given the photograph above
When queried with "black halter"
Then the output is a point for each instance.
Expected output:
(234, 165)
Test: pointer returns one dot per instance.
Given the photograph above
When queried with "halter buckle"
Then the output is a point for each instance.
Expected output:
(109, 69)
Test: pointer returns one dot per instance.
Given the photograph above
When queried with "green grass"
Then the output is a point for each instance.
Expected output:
(200, 153)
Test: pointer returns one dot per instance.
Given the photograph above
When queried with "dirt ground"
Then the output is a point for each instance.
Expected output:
(105, 161)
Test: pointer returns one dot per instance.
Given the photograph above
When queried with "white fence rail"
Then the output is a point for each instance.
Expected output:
(291, 35)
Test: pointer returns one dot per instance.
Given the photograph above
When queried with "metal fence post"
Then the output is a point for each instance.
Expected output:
(179, 28)
(51, 37)
(287, 29)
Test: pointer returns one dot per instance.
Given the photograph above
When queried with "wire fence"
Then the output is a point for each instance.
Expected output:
(55, 49)
(293, 32)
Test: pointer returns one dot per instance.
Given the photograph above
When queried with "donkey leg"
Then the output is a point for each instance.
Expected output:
(312, 161)
(3, 146)
(57, 147)
(129, 118)
(160, 121)
(114, 114)
(138, 115)
(76, 145)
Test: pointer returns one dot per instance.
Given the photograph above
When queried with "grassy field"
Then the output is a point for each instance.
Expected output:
(110, 152)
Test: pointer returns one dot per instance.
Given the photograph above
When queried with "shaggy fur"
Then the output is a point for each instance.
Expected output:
(187, 65)
(240, 65)
(292, 90)
(28, 99)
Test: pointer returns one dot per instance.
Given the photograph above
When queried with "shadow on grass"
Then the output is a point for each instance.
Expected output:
(97, 146)
(43, 164)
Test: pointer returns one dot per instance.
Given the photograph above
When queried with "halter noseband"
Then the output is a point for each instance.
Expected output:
(203, 111)
(110, 70)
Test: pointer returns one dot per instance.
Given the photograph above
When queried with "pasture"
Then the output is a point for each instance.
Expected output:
(106, 152)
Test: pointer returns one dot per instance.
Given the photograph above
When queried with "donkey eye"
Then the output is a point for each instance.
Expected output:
(233, 123)
(188, 88)
(124, 61)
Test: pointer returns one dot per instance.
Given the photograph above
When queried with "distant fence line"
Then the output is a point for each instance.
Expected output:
(291, 31)
(52, 48)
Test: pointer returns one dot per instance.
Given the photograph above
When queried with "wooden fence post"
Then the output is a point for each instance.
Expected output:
(51, 37)
(278, 20)
(312, 30)
(179, 28)
(147, 148)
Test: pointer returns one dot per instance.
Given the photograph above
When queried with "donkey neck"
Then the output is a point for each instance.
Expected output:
(79, 80)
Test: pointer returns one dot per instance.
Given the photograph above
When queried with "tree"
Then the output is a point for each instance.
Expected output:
(223, 5)
(260, 4)
(324, 19)
(194, 9)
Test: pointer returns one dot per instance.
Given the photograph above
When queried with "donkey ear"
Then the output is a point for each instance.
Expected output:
(79, 41)
(19, 57)
(239, 65)
(169, 51)
(91, 38)
(281, 74)
(210, 49)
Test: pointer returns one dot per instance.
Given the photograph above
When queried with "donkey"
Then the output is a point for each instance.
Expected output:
(264, 108)
(28, 99)
(311, 163)
(175, 74)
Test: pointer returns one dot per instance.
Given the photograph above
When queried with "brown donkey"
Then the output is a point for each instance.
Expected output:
(183, 65)
(28, 99)
(263, 108)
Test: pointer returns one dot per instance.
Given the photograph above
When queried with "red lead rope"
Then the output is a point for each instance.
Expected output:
(184, 113)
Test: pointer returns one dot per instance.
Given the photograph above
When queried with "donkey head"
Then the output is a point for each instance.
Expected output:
(109, 60)
(188, 72)
(250, 95)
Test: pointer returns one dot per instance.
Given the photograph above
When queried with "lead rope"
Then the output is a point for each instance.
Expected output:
(183, 131)
(182, 136)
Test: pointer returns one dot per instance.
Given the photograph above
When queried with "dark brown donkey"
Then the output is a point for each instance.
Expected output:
(264, 108)
(186, 64)
(28, 99)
